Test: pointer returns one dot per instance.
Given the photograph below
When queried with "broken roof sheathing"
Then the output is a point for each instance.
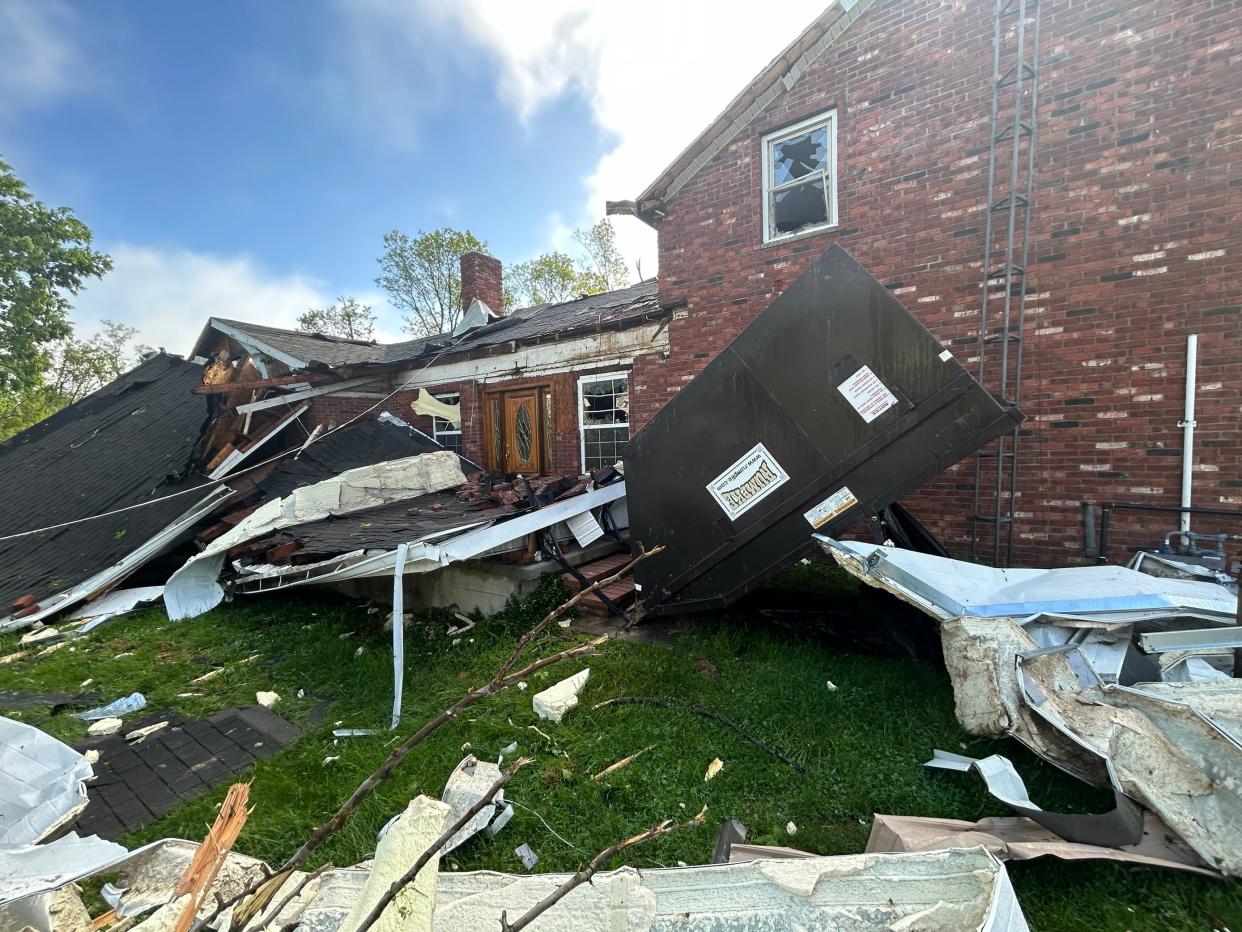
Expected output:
(133, 440)
(617, 309)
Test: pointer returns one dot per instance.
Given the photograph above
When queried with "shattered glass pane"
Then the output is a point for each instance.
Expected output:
(606, 402)
(803, 205)
(799, 156)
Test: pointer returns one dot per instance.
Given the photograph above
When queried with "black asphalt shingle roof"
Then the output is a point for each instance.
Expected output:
(608, 310)
(130, 441)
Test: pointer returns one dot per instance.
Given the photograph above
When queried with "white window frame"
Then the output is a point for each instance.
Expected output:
(829, 119)
(436, 432)
(583, 426)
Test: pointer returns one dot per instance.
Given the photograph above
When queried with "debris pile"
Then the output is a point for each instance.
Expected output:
(1075, 663)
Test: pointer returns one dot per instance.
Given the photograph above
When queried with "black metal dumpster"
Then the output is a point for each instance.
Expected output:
(832, 404)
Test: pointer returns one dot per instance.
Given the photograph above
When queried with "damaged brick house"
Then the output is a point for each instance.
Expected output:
(539, 390)
(872, 130)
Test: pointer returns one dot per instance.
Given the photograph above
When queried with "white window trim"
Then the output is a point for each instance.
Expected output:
(436, 433)
(828, 117)
(583, 426)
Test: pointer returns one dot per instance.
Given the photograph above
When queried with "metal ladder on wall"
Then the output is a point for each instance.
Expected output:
(1011, 172)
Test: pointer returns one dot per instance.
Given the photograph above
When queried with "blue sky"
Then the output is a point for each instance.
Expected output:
(245, 158)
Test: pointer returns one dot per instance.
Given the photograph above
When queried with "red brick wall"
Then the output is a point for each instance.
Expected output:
(1135, 240)
(565, 452)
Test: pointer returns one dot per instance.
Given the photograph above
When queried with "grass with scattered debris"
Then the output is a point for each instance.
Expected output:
(863, 743)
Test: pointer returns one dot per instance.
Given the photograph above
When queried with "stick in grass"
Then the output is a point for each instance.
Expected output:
(706, 713)
(505, 676)
(656, 831)
(408, 877)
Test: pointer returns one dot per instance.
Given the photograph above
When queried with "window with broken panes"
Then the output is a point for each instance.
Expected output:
(799, 178)
(446, 434)
(604, 412)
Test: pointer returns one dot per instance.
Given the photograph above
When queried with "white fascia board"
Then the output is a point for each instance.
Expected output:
(303, 395)
(255, 345)
(237, 456)
(113, 574)
(613, 347)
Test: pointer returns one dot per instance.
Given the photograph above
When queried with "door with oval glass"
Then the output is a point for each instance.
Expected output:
(523, 448)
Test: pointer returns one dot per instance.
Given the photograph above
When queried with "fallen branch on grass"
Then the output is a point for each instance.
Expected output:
(505, 676)
(706, 713)
(582, 876)
(623, 762)
(408, 877)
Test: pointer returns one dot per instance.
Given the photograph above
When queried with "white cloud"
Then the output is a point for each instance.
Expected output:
(654, 72)
(169, 294)
(39, 55)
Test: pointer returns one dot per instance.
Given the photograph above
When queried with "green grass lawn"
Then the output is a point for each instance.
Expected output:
(863, 743)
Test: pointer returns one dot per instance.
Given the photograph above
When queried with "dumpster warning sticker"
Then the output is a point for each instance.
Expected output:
(747, 482)
(867, 394)
(830, 507)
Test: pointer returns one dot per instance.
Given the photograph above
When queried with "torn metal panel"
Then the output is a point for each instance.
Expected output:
(837, 402)
(1157, 642)
(943, 891)
(435, 550)
(946, 588)
(1173, 747)
(30, 875)
(42, 783)
(1121, 826)
(117, 602)
(194, 589)
(1020, 839)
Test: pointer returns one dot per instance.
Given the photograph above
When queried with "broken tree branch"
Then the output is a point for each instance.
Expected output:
(706, 713)
(561, 609)
(656, 831)
(408, 877)
(504, 676)
(242, 917)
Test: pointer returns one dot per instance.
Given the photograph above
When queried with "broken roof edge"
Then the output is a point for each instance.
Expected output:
(784, 69)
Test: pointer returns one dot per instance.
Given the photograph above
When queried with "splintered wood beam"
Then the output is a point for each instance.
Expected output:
(222, 388)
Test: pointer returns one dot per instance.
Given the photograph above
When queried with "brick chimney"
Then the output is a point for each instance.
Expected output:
(481, 278)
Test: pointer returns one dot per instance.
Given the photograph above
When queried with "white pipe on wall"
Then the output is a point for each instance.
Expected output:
(1188, 427)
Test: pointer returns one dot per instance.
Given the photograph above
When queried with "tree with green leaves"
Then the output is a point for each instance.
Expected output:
(45, 255)
(347, 318)
(546, 279)
(76, 368)
(602, 267)
(422, 275)
(556, 276)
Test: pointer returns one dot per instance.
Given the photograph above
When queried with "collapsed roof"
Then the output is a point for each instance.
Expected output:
(133, 441)
(298, 350)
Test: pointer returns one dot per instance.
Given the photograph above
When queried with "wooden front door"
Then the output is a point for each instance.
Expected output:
(523, 449)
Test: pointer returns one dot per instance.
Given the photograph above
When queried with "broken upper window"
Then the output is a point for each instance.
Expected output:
(799, 178)
(603, 418)
(446, 434)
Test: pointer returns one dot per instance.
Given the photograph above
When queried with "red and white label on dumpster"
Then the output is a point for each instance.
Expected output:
(867, 394)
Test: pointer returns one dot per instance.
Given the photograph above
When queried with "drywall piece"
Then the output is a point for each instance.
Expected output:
(149, 875)
(105, 726)
(119, 707)
(42, 783)
(1176, 748)
(555, 701)
(266, 698)
(430, 406)
(194, 589)
(467, 784)
(1122, 826)
(946, 588)
(1015, 838)
(405, 841)
(44, 634)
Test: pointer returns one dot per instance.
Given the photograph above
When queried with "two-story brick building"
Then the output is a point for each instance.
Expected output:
(872, 129)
